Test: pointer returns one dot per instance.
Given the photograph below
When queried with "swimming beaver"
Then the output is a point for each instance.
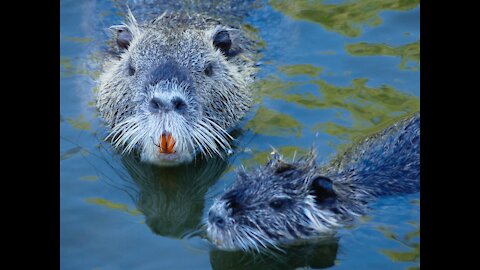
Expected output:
(286, 201)
(176, 87)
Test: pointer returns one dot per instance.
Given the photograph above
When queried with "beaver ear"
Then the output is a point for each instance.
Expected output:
(222, 41)
(123, 35)
(322, 188)
(281, 167)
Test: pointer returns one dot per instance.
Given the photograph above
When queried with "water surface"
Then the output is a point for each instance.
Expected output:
(330, 70)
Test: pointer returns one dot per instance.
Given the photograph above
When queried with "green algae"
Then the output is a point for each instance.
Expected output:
(346, 18)
(301, 69)
(111, 205)
(79, 123)
(409, 240)
(269, 122)
(407, 52)
(370, 109)
(89, 178)
(79, 39)
(70, 153)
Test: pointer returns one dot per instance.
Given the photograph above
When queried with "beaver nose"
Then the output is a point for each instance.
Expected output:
(176, 104)
(170, 71)
(215, 219)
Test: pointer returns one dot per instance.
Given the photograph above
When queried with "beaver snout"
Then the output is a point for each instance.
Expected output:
(170, 71)
(170, 84)
(220, 215)
(176, 104)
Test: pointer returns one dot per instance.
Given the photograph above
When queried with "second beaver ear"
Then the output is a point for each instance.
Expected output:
(123, 35)
(322, 189)
(222, 41)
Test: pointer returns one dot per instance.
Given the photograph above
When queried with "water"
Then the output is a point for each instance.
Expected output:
(339, 69)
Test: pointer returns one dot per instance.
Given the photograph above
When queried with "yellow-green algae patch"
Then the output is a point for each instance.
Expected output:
(272, 87)
(261, 157)
(365, 219)
(116, 206)
(327, 52)
(344, 18)
(89, 178)
(407, 52)
(70, 153)
(409, 240)
(79, 123)
(370, 108)
(70, 69)
(301, 69)
(273, 123)
(79, 39)
(66, 63)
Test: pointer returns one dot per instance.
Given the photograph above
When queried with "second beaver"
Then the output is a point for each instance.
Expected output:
(287, 201)
(177, 85)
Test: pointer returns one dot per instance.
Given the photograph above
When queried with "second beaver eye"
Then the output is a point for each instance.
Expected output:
(208, 70)
(279, 203)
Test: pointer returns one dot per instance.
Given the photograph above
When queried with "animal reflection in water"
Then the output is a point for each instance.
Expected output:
(310, 255)
(172, 198)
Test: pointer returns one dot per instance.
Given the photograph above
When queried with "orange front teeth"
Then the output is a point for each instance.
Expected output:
(167, 142)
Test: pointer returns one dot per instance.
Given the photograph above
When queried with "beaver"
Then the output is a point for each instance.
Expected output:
(175, 86)
(283, 202)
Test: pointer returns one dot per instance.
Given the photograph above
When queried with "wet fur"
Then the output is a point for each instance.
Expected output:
(215, 103)
(286, 201)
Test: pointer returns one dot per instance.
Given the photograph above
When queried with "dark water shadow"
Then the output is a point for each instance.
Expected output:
(312, 255)
(172, 198)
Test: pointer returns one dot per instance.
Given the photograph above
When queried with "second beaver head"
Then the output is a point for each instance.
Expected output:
(280, 202)
(289, 201)
(178, 84)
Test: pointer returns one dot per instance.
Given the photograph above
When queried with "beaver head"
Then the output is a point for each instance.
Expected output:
(178, 84)
(278, 203)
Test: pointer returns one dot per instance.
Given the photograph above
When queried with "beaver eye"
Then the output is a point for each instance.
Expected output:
(279, 203)
(131, 69)
(208, 70)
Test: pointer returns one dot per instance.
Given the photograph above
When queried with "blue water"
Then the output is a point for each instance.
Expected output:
(116, 215)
